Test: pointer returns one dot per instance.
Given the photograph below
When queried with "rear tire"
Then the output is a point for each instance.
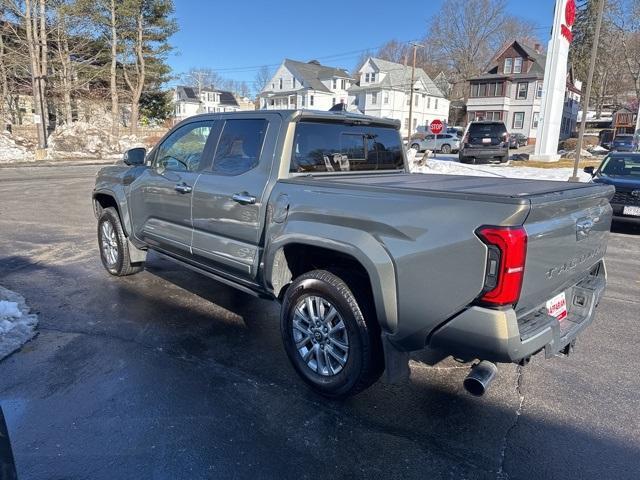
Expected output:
(114, 248)
(330, 344)
(505, 159)
(416, 147)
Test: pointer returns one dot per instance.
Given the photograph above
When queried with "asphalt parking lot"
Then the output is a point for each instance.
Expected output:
(168, 374)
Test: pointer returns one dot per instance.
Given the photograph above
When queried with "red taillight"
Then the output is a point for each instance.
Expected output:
(505, 268)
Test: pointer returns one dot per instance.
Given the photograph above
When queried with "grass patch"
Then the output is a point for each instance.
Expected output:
(562, 163)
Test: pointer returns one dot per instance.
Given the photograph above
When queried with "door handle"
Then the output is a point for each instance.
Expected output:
(183, 188)
(244, 198)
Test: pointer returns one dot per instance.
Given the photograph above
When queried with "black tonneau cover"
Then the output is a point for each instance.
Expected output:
(513, 190)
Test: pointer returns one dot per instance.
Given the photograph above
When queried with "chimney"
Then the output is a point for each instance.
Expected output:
(538, 48)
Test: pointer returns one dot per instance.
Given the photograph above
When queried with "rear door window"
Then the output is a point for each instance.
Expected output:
(239, 147)
(337, 147)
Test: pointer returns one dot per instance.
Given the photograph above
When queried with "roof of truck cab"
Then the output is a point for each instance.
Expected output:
(297, 115)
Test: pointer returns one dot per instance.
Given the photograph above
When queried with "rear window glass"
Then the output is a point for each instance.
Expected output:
(336, 147)
(492, 129)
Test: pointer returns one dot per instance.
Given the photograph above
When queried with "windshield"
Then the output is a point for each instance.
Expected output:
(339, 147)
(620, 166)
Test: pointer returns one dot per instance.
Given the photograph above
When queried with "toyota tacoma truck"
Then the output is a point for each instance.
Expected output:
(318, 211)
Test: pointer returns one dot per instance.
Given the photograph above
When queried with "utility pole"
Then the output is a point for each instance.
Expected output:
(587, 93)
(413, 74)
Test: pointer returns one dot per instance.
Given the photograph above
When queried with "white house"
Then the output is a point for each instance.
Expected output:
(383, 90)
(189, 102)
(511, 91)
(305, 85)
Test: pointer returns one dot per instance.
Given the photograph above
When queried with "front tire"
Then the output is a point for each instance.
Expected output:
(114, 248)
(416, 147)
(446, 148)
(331, 345)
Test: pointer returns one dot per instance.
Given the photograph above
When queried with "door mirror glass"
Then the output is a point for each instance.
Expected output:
(135, 156)
(589, 170)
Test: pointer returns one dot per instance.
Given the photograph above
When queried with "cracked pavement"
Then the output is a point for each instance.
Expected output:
(167, 374)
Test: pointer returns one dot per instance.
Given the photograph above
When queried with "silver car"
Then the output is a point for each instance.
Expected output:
(445, 143)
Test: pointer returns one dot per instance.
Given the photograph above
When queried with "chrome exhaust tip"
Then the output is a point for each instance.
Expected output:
(480, 377)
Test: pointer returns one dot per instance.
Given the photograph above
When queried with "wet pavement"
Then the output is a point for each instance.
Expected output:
(168, 374)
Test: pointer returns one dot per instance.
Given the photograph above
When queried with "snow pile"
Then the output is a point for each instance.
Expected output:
(89, 140)
(598, 149)
(17, 325)
(10, 151)
(446, 167)
(572, 154)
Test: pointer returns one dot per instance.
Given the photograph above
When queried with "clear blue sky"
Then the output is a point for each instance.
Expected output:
(235, 38)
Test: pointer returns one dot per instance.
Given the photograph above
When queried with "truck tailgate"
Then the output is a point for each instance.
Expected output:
(567, 236)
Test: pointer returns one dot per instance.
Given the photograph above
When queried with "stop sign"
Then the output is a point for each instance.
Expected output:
(436, 127)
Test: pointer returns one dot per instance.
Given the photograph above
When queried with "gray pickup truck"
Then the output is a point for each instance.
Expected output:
(318, 211)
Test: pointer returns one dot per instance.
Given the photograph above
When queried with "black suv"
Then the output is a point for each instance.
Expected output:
(484, 141)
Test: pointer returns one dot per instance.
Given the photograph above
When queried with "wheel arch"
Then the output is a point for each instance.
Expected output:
(106, 198)
(294, 255)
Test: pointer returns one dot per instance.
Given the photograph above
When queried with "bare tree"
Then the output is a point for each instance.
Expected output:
(262, 78)
(466, 34)
(200, 78)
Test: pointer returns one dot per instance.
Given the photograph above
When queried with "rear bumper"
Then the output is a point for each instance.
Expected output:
(503, 336)
(488, 152)
(618, 208)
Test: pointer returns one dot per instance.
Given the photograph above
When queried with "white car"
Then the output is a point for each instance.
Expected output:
(445, 143)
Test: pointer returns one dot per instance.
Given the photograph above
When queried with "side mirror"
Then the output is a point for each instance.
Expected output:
(589, 170)
(135, 156)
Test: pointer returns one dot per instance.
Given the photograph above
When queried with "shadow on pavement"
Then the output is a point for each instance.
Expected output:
(177, 373)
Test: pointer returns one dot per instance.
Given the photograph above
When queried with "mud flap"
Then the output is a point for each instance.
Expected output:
(396, 363)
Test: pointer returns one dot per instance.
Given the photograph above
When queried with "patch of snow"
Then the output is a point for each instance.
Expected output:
(572, 153)
(598, 149)
(10, 151)
(89, 140)
(17, 325)
(449, 167)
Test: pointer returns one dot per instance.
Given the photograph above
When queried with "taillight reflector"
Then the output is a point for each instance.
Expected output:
(511, 243)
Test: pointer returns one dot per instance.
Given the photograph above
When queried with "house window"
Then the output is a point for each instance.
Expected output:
(311, 100)
(333, 101)
(281, 84)
(272, 102)
(366, 78)
(522, 90)
(436, 105)
(385, 98)
(508, 64)
(518, 120)
(415, 100)
(335, 83)
(373, 77)
(415, 123)
(374, 98)
(406, 122)
(294, 82)
(343, 84)
(534, 120)
(408, 99)
(428, 102)
(303, 98)
(499, 89)
(517, 65)
(539, 90)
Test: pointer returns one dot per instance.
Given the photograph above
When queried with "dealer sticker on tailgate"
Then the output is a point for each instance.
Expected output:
(557, 306)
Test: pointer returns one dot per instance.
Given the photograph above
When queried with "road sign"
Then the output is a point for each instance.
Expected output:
(436, 127)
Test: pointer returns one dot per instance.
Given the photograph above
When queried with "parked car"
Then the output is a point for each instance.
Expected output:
(622, 170)
(605, 138)
(317, 211)
(484, 141)
(623, 142)
(445, 143)
(517, 140)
